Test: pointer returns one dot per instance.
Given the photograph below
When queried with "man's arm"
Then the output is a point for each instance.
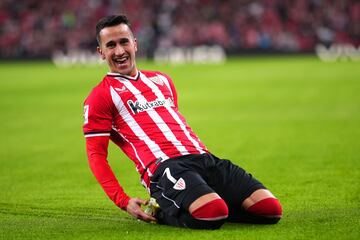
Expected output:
(96, 148)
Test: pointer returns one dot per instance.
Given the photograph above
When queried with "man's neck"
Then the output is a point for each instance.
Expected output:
(131, 76)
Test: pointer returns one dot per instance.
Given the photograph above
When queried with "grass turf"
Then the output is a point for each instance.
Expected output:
(291, 121)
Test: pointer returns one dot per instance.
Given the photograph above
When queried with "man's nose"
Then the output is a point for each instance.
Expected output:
(119, 50)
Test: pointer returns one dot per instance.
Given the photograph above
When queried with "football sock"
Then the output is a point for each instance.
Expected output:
(266, 211)
(211, 211)
(267, 207)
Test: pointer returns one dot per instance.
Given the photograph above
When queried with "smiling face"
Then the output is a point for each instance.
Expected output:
(118, 47)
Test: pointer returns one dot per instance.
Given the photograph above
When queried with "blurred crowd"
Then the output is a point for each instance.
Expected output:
(38, 28)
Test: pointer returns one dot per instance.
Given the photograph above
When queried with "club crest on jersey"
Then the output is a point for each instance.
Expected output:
(157, 80)
(137, 107)
(180, 184)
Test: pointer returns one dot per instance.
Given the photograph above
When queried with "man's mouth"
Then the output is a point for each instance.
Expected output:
(121, 60)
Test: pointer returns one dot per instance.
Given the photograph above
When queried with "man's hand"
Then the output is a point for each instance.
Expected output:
(134, 209)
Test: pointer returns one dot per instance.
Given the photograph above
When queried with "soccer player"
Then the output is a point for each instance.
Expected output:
(138, 111)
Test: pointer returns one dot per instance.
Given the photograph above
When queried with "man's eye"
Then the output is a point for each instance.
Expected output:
(110, 45)
(124, 41)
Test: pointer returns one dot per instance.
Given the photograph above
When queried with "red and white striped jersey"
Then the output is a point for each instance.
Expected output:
(141, 116)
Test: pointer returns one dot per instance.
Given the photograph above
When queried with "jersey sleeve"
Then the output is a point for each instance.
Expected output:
(97, 114)
(96, 149)
(97, 127)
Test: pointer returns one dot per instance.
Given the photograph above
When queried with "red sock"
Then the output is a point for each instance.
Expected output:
(267, 207)
(212, 211)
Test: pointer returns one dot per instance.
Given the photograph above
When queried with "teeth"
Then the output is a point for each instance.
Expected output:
(120, 60)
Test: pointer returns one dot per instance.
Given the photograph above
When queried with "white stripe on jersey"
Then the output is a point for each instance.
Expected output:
(164, 128)
(134, 126)
(96, 134)
(159, 94)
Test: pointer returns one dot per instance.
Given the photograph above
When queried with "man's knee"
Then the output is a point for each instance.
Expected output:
(269, 209)
(212, 214)
(211, 211)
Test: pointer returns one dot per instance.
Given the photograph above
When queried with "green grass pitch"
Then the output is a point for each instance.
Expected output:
(293, 122)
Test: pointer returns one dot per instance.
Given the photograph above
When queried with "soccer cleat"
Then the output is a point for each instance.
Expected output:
(152, 207)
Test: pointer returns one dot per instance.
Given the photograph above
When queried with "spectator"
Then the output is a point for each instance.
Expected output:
(38, 28)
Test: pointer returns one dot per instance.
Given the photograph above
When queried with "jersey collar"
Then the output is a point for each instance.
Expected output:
(127, 77)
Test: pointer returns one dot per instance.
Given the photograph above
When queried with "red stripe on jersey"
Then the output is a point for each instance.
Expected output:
(178, 126)
(150, 118)
(161, 117)
(131, 131)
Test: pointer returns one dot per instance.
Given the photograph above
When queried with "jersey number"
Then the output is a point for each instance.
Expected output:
(86, 114)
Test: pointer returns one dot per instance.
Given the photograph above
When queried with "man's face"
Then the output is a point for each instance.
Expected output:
(118, 47)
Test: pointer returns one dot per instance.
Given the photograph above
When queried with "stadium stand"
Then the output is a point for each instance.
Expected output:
(39, 28)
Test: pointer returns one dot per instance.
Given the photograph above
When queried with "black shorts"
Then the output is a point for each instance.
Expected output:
(179, 181)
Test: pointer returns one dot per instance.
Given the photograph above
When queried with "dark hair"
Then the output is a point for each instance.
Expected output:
(110, 21)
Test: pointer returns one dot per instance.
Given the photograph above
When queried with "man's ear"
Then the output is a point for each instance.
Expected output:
(135, 44)
(98, 49)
